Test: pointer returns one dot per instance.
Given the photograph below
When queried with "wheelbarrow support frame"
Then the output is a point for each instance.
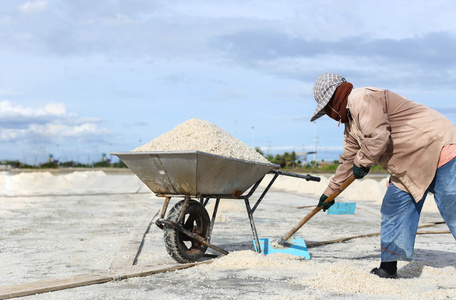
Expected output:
(161, 222)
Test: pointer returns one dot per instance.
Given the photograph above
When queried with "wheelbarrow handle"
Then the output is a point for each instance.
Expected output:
(316, 210)
(306, 177)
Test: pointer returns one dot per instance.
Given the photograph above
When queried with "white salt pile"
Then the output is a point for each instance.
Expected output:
(339, 279)
(200, 135)
(80, 182)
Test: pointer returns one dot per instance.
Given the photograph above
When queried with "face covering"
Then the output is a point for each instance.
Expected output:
(337, 107)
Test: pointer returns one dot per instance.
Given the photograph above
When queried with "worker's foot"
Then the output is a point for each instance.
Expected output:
(383, 274)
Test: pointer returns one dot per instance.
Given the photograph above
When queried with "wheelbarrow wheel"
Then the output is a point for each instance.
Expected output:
(180, 246)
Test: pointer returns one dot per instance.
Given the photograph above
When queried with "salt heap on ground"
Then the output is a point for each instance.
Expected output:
(200, 135)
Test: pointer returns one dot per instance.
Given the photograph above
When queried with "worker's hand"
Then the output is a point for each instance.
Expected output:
(359, 172)
(325, 205)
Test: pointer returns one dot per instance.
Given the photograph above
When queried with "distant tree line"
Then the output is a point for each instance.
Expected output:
(289, 160)
(285, 160)
(16, 164)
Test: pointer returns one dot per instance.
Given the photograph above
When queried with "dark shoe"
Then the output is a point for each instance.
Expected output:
(383, 274)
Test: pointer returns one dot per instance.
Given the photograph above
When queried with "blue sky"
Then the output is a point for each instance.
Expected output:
(80, 78)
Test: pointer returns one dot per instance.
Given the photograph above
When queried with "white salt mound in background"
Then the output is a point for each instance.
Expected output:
(80, 182)
(200, 135)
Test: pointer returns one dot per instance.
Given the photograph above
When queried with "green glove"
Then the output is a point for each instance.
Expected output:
(325, 205)
(359, 172)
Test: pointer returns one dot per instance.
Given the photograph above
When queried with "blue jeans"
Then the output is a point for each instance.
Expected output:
(401, 214)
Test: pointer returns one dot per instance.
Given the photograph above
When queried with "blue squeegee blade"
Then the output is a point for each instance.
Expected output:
(342, 208)
(297, 247)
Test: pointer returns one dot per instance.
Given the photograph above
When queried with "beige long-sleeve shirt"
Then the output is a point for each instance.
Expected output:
(402, 136)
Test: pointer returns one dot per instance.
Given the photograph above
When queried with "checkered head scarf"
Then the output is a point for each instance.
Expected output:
(323, 90)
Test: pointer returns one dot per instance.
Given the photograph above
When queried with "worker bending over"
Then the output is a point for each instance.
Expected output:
(415, 144)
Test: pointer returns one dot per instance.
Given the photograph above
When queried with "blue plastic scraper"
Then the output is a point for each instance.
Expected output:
(296, 247)
(342, 208)
(302, 247)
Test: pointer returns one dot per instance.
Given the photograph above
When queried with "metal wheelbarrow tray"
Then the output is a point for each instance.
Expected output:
(200, 175)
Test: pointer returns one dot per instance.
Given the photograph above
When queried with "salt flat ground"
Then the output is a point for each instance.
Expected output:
(58, 226)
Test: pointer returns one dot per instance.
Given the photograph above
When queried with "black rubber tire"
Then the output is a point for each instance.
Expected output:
(180, 246)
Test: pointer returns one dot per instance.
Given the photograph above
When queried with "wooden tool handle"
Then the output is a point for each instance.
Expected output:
(341, 189)
(316, 210)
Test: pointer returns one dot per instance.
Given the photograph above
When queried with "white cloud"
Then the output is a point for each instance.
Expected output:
(10, 111)
(86, 129)
(55, 108)
(51, 122)
(7, 135)
(33, 7)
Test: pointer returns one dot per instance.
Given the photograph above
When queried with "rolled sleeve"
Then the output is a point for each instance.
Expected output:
(345, 168)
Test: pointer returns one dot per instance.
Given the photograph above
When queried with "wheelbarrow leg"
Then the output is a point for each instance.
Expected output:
(252, 224)
(163, 212)
(214, 214)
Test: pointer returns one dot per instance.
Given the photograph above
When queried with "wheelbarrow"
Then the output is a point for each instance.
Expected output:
(198, 177)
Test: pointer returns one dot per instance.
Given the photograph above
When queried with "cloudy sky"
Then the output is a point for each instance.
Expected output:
(80, 78)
